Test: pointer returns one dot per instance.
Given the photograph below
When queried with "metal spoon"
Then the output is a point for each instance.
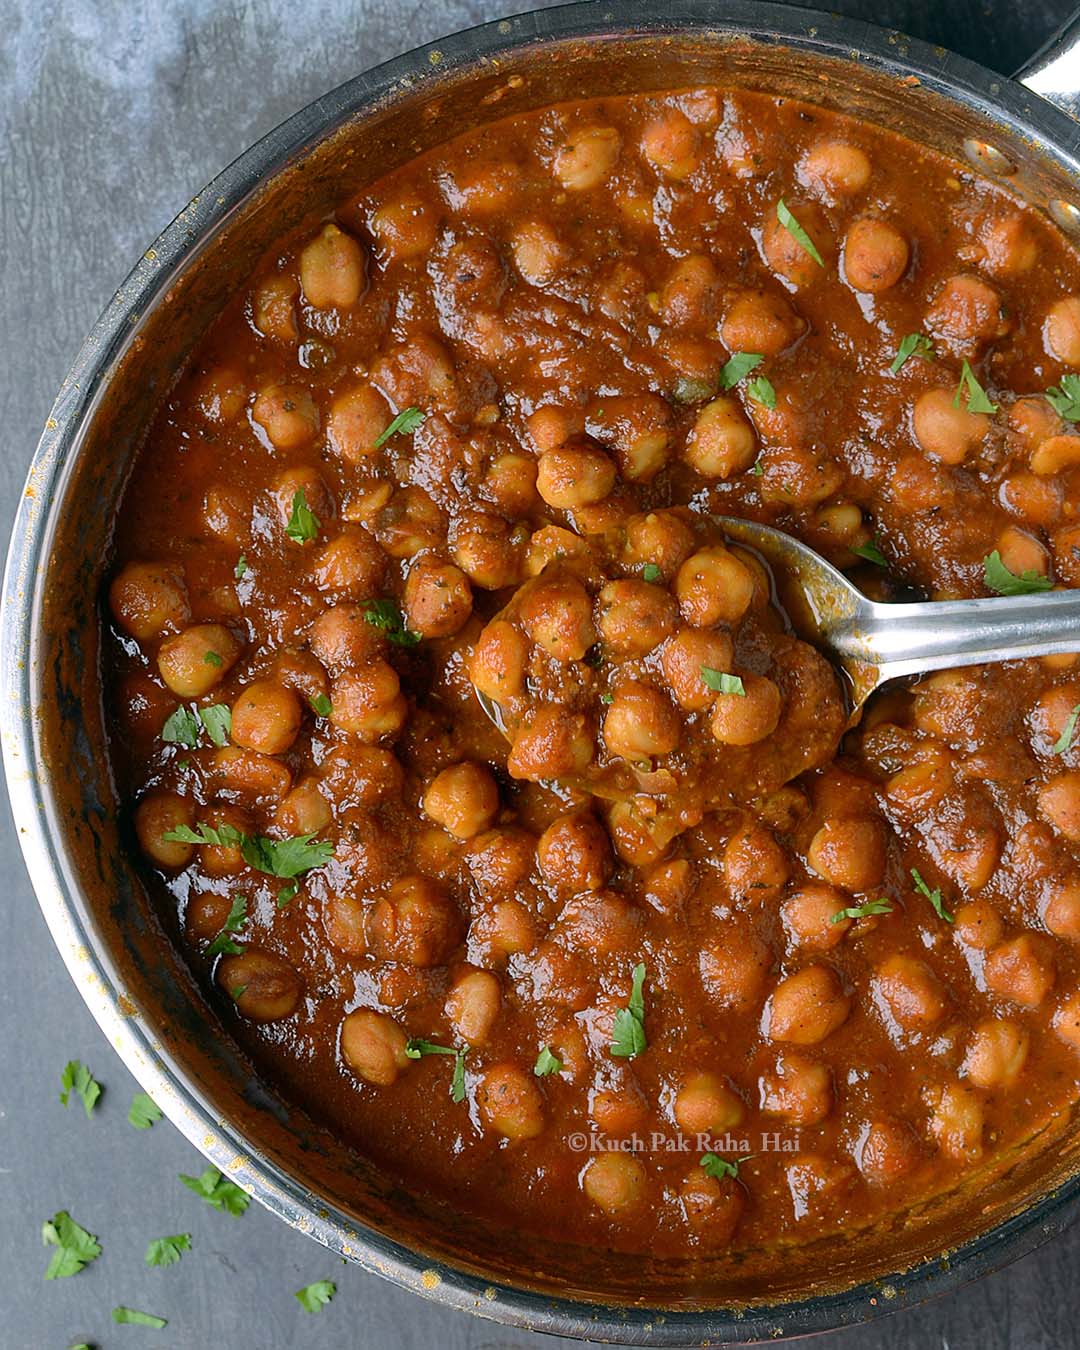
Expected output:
(874, 643)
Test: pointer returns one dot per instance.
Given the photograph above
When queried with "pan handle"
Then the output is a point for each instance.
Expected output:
(1054, 70)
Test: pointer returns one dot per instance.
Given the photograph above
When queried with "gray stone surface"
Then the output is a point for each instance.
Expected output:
(111, 116)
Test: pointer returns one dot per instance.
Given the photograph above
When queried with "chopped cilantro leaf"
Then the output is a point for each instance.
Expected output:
(417, 1048)
(133, 1318)
(718, 1167)
(217, 719)
(1065, 398)
(166, 1251)
(998, 578)
(143, 1111)
(212, 659)
(313, 1296)
(321, 705)
(405, 422)
(761, 391)
(607, 698)
(223, 943)
(1068, 732)
(286, 858)
(788, 221)
(385, 614)
(241, 568)
(225, 1195)
(287, 893)
(304, 524)
(721, 682)
(915, 344)
(872, 553)
(881, 906)
(78, 1078)
(75, 1247)
(757, 468)
(628, 1029)
(738, 367)
(182, 728)
(934, 896)
(547, 1062)
(978, 401)
(650, 572)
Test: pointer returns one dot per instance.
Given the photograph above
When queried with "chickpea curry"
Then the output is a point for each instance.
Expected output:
(510, 826)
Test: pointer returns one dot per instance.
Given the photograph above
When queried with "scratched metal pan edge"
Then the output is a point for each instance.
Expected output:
(117, 951)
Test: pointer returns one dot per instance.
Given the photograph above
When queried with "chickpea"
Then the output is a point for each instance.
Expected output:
(722, 441)
(552, 744)
(1061, 331)
(1021, 969)
(1022, 552)
(509, 1102)
(368, 702)
(266, 717)
(574, 476)
(640, 722)
(762, 323)
(798, 1090)
(463, 799)
(437, 600)
(662, 538)
(1062, 912)
(1067, 1020)
(158, 814)
(247, 776)
(361, 776)
(946, 703)
(685, 655)
(1056, 455)
(642, 830)
(966, 311)
(600, 922)
(587, 157)
(615, 1182)
(220, 394)
(416, 923)
(1059, 803)
(688, 293)
(1009, 246)
(405, 228)
(574, 854)
(149, 599)
(806, 1007)
(472, 1005)
(264, 987)
(303, 810)
(706, 1104)
(734, 964)
(410, 523)
(373, 1046)
(997, 1053)
(358, 417)
(341, 637)
(1066, 545)
(713, 586)
(808, 917)
(507, 929)
(957, 1123)
(634, 616)
(552, 426)
(876, 255)
(557, 614)
(745, 719)
(909, 993)
(538, 252)
(837, 167)
(501, 860)
(670, 143)
(921, 785)
(497, 666)
(755, 867)
(316, 494)
(488, 551)
(887, 1152)
(485, 188)
(1051, 714)
(783, 252)
(712, 1205)
(198, 659)
(332, 269)
(949, 434)
(510, 483)
(637, 428)
(288, 416)
(227, 514)
(273, 307)
(849, 852)
(618, 1113)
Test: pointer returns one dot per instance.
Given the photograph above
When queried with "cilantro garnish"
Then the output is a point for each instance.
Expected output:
(166, 1251)
(547, 1062)
(718, 1167)
(628, 1029)
(1065, 398)
(314, 1296)
(788, 221)
(217, 719)
(978, 401)
(738, 367)
(915, 344)
(881, 906)
(321, 705)
(385, 614)
(934, 896)
(405, 422)
(721, 682)
(133, 1318)
(211, 658)
(223, 944)
(286, 858)
(77, 1078)
(241, 568)
(1068, 732)
(761, 391)
(143, 1111)
(872, 553)
(417, 1048)
(998, 578)
(304, 524)
(182, 728)
(75, 1247)
(225, 1195)
(650, 572)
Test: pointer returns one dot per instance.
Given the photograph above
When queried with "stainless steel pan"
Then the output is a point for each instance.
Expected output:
(75, 846)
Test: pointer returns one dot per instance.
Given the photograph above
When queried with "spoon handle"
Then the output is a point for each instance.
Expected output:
(908, 639)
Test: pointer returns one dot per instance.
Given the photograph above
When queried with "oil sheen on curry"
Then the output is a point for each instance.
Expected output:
(467, 438)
